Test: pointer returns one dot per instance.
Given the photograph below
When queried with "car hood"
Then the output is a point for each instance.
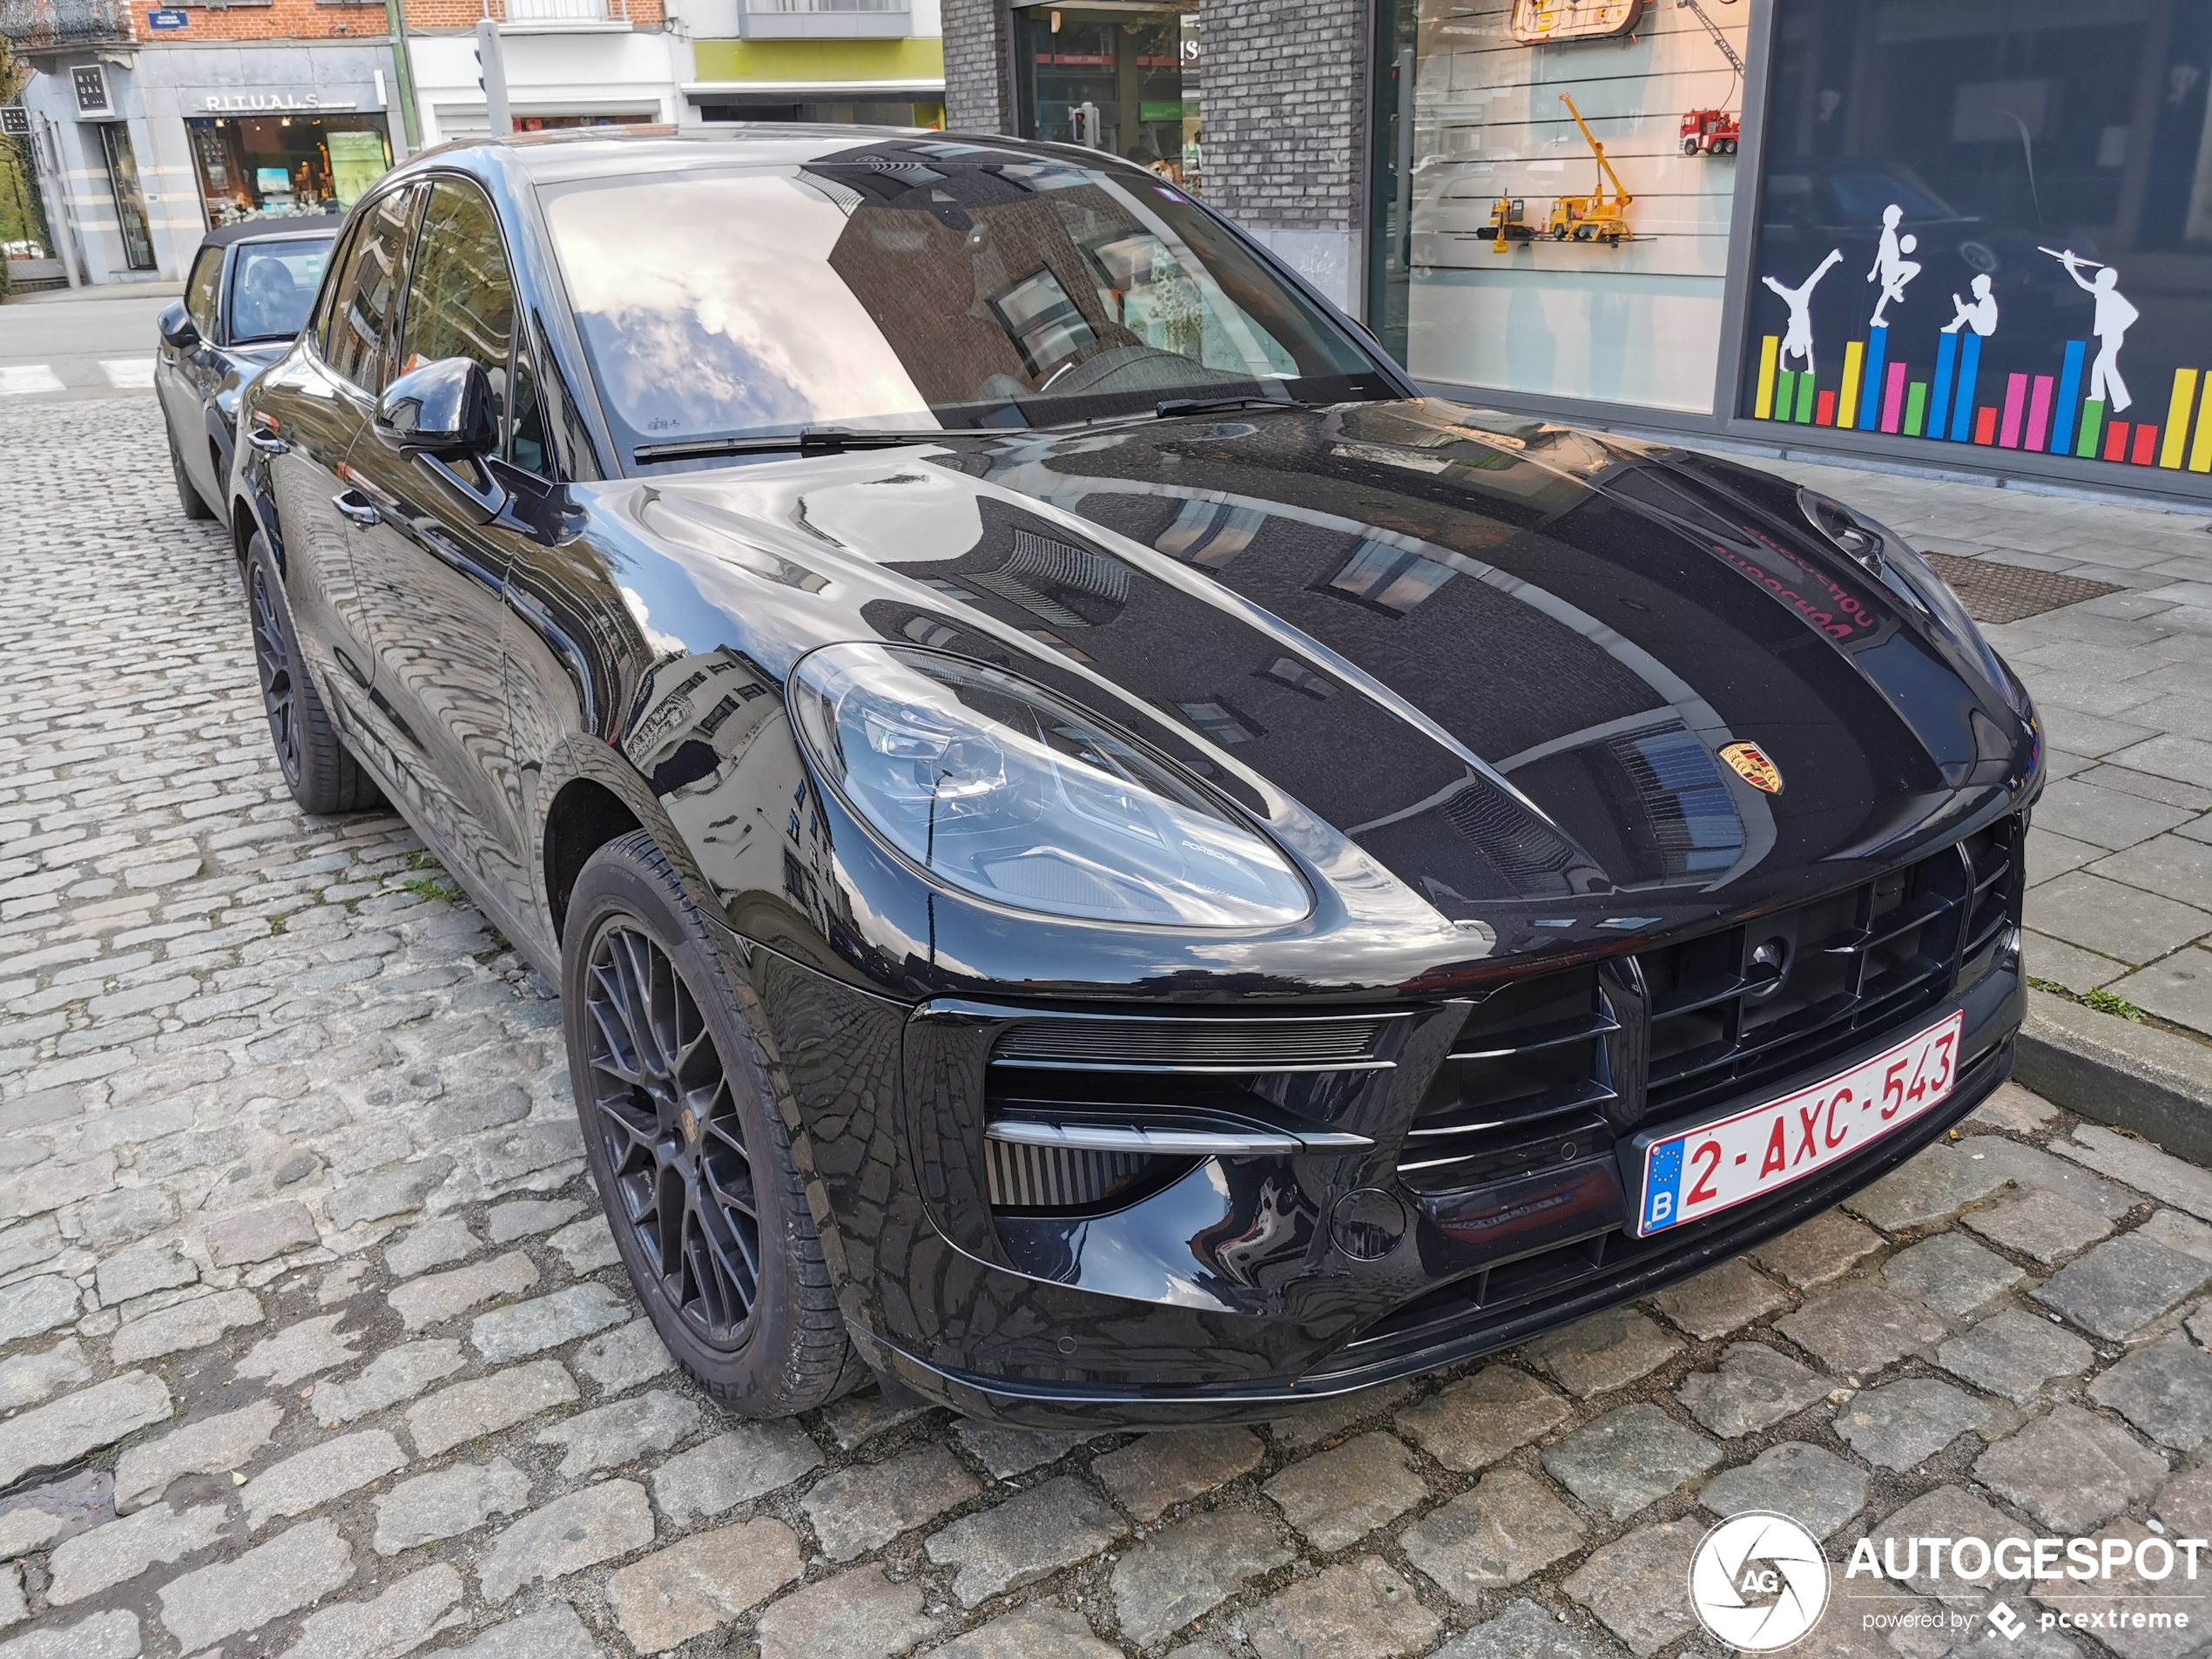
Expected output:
(1503, 659)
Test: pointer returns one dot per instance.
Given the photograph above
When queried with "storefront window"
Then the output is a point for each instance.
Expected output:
(1124, 81)
(1507, 253)
(272, 166)
(130, 197)
(1991, 225)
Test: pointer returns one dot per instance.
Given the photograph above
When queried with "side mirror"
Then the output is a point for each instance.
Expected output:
(442, 409)
(177, 328)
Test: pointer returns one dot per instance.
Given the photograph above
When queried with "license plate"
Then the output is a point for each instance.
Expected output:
(1717, 1166)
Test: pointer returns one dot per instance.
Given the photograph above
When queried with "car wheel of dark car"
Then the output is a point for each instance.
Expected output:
(322, 776)
(188, 496)
(690, 1159)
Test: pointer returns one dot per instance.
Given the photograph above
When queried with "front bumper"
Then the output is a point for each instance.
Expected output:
(1100, 1333)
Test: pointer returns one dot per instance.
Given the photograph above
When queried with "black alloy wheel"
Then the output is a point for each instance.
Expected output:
(688, 1144)
(271, 657)
(674, 1143)
(322, 775)
(188, 496)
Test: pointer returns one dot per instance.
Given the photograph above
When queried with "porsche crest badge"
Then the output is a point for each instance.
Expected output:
(1753, 767)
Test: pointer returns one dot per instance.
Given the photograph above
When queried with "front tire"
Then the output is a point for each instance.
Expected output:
(188, 496)
(322, 776)
(691, 1160)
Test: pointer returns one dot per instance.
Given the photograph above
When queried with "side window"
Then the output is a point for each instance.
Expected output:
(369, 292)
(200, 290)
(461, 298)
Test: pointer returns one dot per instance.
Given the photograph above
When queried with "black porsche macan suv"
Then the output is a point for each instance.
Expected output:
(1105, 858)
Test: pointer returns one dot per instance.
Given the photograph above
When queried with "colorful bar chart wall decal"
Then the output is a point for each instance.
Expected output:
(2093, 422)
(1962, 404)
(1877, 344)
(2044, 412)
(2015, 410)
(2038, 412)
(1946, 359)
(2177, 418)
(1893, 398)
(2069, 388)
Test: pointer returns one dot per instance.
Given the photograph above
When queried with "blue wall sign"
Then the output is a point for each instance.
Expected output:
(165, 17)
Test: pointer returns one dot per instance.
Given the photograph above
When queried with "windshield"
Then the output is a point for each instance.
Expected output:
(272, 284)
(896, 286)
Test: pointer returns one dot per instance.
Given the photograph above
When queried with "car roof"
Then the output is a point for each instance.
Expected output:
(271, 230)
(589, 152)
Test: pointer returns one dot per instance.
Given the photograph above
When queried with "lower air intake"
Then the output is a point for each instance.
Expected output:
(1056, 1177)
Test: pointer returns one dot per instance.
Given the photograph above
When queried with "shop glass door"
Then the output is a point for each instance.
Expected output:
(130, 197)
(1121, 79)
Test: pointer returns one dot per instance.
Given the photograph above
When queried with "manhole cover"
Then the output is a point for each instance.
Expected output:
(1993, 593)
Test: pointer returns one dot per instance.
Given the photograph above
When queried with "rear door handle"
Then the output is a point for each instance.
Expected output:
(267, 443)
(356, 507)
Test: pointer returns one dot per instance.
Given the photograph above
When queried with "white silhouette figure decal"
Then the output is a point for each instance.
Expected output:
(2114, 317)
(1796, 341)
(1892, 269)
(1980, 316)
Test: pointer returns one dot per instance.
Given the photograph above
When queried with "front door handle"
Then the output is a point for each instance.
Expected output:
(356, 507)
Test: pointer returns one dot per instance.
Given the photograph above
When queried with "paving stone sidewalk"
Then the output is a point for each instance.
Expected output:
(312, 1345)
(2120, 855)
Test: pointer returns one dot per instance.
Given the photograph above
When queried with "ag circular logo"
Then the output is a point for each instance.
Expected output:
(1758, 1581)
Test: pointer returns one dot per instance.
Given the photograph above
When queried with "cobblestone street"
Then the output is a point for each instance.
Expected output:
(313, 1344)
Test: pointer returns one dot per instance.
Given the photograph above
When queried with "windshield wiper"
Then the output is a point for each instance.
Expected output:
(1169, 407)
(807, 441)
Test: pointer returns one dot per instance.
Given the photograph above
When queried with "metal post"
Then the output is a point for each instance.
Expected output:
(495, 73)
(403, 74)
(1405, 161)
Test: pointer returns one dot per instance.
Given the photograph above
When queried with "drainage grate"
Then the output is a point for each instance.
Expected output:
(1996, 593)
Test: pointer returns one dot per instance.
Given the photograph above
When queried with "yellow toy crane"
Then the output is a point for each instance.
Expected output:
(1596, 217)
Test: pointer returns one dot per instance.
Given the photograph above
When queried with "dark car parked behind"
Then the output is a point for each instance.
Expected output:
(1105, 858)
(245, 296)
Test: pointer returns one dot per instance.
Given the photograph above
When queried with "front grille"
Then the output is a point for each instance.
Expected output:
(1549, 1070)
(1140, 1042)
(1746, 1006)
(1525, 1087)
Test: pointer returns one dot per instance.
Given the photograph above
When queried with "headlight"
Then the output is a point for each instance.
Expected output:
(998, 788)
(1906, 573)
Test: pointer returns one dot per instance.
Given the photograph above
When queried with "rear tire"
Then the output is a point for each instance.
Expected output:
(692, 1160)
(188, 496)
(322, 776)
